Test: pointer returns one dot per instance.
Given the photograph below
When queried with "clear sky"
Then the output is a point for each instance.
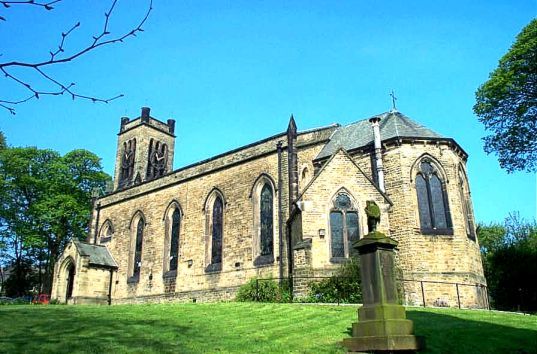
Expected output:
(232, 72)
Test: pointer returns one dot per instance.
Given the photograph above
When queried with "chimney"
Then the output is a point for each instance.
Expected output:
(171, 125)
(379, 168)
(124, 121)
(145, 114)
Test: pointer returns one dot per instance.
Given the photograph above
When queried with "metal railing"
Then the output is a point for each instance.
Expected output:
(411, 292)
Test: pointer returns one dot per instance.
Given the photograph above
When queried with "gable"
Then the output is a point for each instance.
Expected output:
(341, 171)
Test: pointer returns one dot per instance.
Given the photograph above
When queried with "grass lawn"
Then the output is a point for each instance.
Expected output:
(243, 328)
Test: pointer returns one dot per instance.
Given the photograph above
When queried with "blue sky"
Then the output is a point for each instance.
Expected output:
(233, 72)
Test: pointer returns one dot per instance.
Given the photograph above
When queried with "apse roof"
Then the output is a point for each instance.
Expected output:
(392, 124)
(98, 255)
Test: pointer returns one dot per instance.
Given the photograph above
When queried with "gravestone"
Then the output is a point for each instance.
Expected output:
(382, 324)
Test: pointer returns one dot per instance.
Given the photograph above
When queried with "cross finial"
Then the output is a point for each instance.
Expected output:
(394, 108)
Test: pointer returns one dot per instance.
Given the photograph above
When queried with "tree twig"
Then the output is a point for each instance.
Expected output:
(47, 5)
(56, 58)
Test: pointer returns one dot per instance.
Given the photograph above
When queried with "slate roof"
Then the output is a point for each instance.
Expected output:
(393, 124)
(98, 255)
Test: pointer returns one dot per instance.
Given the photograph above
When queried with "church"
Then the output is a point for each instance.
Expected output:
(288, 206)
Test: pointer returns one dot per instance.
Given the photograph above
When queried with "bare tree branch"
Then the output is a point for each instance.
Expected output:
(56, 58)
(46, 5)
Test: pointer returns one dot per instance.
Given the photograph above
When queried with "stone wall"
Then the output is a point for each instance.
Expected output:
(339, 173)
(450, 258)
(233, 175)
(90, 284)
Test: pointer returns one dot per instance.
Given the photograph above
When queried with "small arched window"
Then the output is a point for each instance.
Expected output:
(217, 231)
(137, 252)
(174, 239)
(466, 205)
(433, 205)
(266, 220)
(344, 228)
(262, 195)
(107, 231)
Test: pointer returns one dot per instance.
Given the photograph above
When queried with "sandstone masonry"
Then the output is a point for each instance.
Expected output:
(291, 204)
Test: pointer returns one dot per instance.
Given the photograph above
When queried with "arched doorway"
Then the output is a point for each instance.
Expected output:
(70, 281)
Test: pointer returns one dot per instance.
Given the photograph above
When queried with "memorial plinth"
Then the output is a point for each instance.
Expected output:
(382, 325)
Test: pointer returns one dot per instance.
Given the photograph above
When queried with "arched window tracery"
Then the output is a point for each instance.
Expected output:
(344, 227)
(107, 232)
(433, 207)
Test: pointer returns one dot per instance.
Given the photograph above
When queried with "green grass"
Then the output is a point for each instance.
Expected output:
(244, 328)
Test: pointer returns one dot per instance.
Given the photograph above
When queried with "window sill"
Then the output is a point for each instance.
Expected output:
(439, 232)
(105, 240)
(213, 268)
(135, 279)
(339, 260)
(170, 274)
(264, 260)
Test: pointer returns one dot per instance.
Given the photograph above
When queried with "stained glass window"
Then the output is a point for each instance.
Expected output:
(437, 196)
(423, 203)
(352, 230)
(336, 229)
(138, 249)
(174, 241)
(217, 230)
(266, 220)
(344, 228)
(466, 209)
(432, 200)
(343, 202)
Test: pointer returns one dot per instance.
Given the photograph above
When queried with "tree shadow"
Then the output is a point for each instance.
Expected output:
(445, 333)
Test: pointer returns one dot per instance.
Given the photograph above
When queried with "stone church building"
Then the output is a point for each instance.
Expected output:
(286, 206)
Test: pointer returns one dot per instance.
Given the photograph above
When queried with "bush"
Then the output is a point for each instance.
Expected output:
(344, 286)
(264, 291)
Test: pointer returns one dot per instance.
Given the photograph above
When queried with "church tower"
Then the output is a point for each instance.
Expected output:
(144, 150)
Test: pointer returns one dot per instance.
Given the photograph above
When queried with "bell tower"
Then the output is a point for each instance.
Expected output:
(144, 150)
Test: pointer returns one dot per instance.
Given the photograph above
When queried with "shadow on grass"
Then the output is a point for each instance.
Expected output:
(446, 333)
(244, 329)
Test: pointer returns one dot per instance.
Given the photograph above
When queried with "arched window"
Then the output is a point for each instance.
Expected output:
(174, 239)
(266, 220)
(262, 195)
(136, 250)
(466, 205)
(127, 163)
(433, 205)
(107, 231)
(217, 231)
(344, 228)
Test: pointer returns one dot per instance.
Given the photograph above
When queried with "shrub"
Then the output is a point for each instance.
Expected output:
(264, 290)
(344, 286)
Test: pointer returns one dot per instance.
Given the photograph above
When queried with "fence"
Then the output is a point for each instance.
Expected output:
(426, 293)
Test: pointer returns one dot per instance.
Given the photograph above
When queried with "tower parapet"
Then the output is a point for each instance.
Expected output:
(145, 149)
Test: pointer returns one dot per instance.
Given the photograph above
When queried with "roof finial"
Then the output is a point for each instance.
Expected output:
(394, 108)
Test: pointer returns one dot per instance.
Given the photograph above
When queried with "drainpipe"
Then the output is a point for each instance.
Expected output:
(379, 168)
(96, 231)
(110, 287)
(280, 215)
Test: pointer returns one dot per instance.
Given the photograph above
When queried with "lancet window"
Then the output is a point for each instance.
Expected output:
(344, 227)
(432, 200)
